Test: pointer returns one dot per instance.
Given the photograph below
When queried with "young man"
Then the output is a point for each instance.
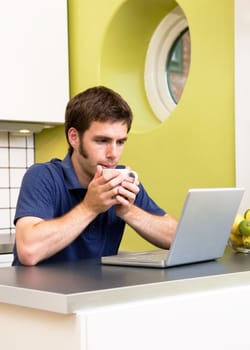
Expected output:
(67, 210)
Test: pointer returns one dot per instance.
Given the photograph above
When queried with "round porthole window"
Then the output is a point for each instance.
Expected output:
(167, 63)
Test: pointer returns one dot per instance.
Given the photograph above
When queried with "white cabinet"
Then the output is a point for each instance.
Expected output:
(34, 84)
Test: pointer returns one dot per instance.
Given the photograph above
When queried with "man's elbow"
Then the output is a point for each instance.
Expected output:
(27, 256)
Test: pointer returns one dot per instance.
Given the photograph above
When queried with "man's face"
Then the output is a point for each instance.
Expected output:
(102, 144)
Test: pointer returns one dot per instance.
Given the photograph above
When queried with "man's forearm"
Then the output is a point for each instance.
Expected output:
(158, 230)
(39, 239)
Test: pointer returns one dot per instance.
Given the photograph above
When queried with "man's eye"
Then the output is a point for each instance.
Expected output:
(121, 142)
(101, 141)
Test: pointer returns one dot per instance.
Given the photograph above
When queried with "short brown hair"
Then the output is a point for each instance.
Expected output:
(96, 104)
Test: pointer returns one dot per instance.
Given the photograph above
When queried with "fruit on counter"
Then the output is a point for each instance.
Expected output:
(239, 238)
(246, 241)
(237, 221)
(236, 240)
(244, 227)
(247, 214)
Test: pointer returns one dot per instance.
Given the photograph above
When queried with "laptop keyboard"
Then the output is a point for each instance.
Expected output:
(154, 255)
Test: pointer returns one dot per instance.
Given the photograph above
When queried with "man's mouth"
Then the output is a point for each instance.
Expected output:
(108, 166)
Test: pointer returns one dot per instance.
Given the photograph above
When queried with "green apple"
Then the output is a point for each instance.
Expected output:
(244, 227)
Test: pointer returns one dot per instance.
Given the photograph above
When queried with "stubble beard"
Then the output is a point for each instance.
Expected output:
(85, 156)
(82, 151)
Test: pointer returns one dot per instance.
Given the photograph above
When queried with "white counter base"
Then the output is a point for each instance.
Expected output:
(203, 313)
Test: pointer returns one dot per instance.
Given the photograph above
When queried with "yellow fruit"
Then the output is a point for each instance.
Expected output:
(246, 241)
(247, 214)
(236, 239)
(244, 227)
(237, 220)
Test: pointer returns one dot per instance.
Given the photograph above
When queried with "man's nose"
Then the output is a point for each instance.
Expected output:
(112, 150)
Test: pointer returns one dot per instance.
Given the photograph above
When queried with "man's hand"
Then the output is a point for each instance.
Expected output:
(126, 195)
(105, 192)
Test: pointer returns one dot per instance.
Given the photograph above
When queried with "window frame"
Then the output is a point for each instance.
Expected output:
(162, 40)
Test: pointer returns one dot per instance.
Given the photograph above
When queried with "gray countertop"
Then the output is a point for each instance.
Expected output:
(68, 287)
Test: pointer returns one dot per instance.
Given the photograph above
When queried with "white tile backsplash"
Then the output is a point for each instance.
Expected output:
(4, 198)
(13, 196)
(12, 215)
(16, 176)
(19, 141)
(4, 157)
(5, 218)
(4, 178)
(18, 158)
(16, 155)
(30, 141)
(30, 157)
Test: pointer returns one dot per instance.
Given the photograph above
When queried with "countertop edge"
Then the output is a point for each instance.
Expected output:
(146, 292)
(35, 299)
(85, 301)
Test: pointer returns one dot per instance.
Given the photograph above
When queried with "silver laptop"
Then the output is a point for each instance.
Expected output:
(202, 232)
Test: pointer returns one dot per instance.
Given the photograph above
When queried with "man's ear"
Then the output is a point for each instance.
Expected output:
(73, 137)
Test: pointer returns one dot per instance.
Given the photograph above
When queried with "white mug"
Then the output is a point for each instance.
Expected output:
(124, 171)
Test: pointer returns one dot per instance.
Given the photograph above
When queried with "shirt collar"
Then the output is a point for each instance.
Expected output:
(70, 175)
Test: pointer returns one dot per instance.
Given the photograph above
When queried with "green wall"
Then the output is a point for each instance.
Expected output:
(194, 147)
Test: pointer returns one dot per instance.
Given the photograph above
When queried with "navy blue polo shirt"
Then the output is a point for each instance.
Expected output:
(49, 190)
